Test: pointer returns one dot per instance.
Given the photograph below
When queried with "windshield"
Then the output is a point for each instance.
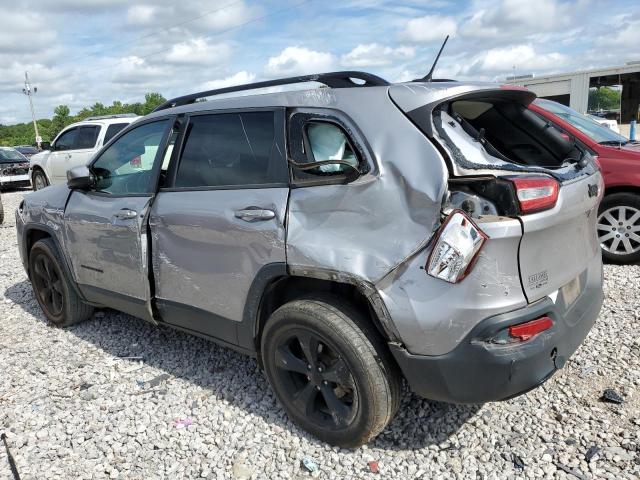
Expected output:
(590, 128)
(11, 155)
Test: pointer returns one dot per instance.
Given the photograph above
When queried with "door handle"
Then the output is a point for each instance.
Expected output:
(254, 214)
(125, 214)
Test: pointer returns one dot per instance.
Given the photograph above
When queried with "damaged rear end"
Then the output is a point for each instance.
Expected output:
(516, 261)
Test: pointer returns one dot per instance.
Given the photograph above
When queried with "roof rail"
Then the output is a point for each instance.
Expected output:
(331, 79)
(114, 115)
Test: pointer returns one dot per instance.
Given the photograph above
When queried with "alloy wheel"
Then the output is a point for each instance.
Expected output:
(619, 230)
(318, 380)
(48, 285)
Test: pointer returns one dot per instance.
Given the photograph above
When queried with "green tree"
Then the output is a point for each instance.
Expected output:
(23, 134)
(61, 118)
(604, 98)
(151, 101)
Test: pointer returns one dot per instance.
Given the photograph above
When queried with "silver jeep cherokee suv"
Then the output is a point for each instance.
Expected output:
(349, 237)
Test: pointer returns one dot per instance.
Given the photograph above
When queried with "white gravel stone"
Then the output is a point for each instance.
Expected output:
(71, 405)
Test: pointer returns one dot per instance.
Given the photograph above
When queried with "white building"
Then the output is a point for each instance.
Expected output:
(572, 88)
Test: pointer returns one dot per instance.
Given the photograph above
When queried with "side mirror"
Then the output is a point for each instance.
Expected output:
(46, 146)
(80, 178)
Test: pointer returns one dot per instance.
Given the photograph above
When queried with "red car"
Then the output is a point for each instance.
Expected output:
(619, 214)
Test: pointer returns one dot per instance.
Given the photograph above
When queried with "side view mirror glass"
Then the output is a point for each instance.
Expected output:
(80, 178)
(46, 146)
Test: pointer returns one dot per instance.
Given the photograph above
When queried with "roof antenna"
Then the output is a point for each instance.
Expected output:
(427, 77)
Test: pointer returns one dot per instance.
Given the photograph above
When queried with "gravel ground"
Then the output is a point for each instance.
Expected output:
(73, 405)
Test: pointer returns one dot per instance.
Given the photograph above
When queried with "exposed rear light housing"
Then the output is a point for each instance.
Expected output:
(457, 245)
(528, 330)
(535, 193)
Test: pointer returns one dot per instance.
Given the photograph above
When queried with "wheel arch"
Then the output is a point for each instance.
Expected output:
(635, 189)
(34, 233)
(276, 285)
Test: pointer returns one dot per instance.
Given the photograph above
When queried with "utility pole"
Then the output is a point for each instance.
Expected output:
(29, 93)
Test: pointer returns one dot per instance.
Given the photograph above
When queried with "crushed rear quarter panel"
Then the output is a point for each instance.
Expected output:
(368, 227)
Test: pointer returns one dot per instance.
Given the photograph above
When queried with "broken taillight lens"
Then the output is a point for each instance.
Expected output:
(456, 249)
(527, 330)
(536, 193)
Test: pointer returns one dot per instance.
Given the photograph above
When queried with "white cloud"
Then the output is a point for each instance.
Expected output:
(198, 52)
(429, 28)
(24, 31)
(300, 60)
(625, 35)
(500, 61)
(376, 55)
(239, 78)
(520, 17)
(140, 14)
(134, 69)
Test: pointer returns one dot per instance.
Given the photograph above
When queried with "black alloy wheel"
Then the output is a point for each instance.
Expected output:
(57, 297)
(318, 379)
(331, 369)
(47, 283)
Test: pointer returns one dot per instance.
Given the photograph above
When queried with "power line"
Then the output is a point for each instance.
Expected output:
(151, 34)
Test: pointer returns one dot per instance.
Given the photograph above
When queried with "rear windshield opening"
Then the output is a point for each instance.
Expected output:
(510, 131)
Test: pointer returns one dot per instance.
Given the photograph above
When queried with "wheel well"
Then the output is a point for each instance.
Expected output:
(622, 189)
(286, 289)
(32, 237)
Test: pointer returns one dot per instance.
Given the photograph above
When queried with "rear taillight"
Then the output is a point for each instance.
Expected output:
(456, 248)
(527, 330)
(536, 193)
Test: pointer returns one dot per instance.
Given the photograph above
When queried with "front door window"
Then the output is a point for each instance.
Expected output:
(126, 166)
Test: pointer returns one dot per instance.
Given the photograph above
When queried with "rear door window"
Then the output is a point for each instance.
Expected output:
(328, 141)
(324, 147)
(112, 130)
(231, 150)
(86, 137)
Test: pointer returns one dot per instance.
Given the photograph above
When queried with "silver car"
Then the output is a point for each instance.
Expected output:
(350, 237)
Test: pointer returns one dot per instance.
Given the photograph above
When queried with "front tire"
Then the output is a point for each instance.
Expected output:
(39, 180)
(330, 370)
(59, 301)
(619, 228)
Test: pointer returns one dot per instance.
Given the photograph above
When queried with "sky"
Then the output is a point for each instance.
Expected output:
(79, 52)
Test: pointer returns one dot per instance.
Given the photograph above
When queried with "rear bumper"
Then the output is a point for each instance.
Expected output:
(479, 371)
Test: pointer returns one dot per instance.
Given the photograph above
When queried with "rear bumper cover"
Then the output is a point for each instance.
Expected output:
(478, 371)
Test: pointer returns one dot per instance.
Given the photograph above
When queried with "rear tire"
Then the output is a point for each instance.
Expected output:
(39, 180)
(58, 299)
(331, 370)
(619, 228)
